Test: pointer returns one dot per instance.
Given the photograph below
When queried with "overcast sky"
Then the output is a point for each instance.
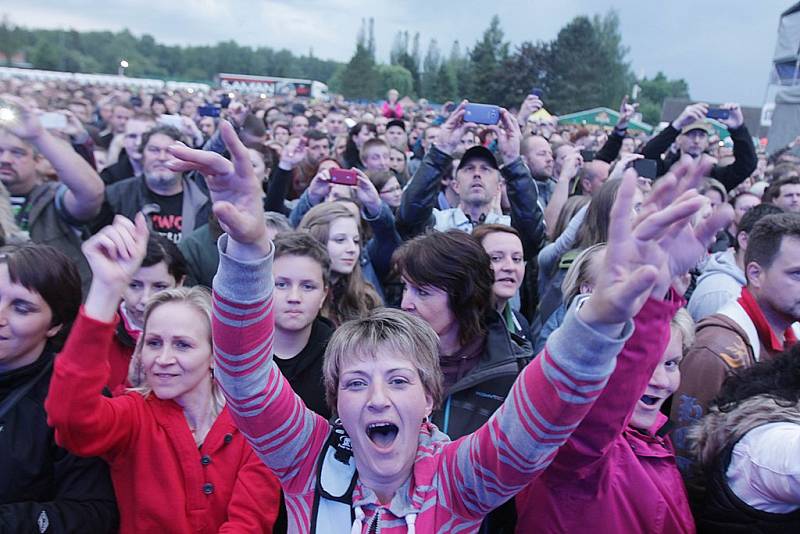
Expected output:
(722, 48)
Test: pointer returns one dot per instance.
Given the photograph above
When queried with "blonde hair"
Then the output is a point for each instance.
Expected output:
(581, 271)
(684, 325)
(391, 331)
(197, 297)
(351, 296)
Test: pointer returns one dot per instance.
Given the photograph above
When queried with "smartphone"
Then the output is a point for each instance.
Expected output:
(536, 91)
(449, 107)
(224, 101)
(209, 111)
(136, 101)
(718, 113)
(344, 177)
(646, 168)
(53, 120)
(588, 155)
(481, 113)
(171, 120)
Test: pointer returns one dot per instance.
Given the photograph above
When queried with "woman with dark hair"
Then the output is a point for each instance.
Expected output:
(448, 283)
(358, 135)
(43, 488)
(748, 445)
(388, 187)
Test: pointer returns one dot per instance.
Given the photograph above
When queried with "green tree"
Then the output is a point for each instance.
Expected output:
(653, 93)
(394, 77)
(360, 76)
(430, 71)
(485, 61)
(526, 68)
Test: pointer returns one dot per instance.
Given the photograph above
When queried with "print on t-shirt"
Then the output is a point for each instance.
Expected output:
(168, 219)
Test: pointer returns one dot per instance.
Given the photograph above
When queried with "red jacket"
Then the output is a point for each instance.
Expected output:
(609, 477)
(163, 482)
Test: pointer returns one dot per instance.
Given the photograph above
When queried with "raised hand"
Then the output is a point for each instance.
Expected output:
(509, 136)
(691, 113)
(626, 112)
(572, 164)
(735, 119)
(235, 192)
(292, 154)
(368, 195)
(114, 254)
(452, 130)
(622, 165)
(237, 112)
(530, 105)
(319, 187)
(646, 252)
(26, 124)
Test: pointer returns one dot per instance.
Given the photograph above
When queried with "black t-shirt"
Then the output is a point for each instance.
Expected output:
(168, 221)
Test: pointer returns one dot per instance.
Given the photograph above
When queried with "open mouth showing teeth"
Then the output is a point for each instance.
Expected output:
(382, 434)
(650, 400)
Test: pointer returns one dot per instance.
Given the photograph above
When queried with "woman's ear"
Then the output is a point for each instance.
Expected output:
(54, 330)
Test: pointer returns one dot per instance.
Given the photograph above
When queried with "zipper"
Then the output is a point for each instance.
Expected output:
(373, 528)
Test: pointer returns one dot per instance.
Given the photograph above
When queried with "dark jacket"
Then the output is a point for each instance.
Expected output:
(202, 258)
(471, 401)
(730, 175)
(119, 171)
(304, 371)
(610, 149)
(50, 224)
(131, 195)
(419, 199)
(43, 488)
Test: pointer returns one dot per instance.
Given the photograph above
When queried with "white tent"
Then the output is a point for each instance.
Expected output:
(785, 120)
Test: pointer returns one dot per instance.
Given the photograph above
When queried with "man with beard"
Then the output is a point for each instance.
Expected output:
(758, 326)
(691, 131)
(538, 155)
(174, 204)
(51, 212)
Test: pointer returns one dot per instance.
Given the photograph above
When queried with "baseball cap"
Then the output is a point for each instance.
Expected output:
(478, 152)
(396, 122)
(698, 125)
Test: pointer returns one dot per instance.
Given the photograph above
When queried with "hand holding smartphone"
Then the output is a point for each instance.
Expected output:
(344, 177)
(482, 113)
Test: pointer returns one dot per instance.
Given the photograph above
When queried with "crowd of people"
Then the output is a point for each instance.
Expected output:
(230, 312)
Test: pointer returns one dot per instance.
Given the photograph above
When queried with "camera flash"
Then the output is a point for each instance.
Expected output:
(7, 115)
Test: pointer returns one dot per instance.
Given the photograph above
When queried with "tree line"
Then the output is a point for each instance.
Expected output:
(585, 65)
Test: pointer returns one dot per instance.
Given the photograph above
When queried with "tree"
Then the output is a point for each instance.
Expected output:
(528, 67)
(430, 71)
(360, 77)
(485, 60)
(394, 77)
(655, 91)
(586, 69)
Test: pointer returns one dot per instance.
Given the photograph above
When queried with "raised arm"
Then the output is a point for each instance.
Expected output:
(85, 421)
(526, 214)
(744, 153)
(283, 432)
(554, 393)
(419, 198)
(84, 194)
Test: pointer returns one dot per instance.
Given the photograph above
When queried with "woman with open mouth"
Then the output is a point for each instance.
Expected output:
(178, 463)
(384, 467)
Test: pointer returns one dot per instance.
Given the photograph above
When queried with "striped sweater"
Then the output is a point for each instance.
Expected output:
(454, 484)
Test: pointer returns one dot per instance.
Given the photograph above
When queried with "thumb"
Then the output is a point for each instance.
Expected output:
(140, 222)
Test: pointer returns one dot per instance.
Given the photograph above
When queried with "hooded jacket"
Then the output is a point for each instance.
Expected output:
(720, 282)
(713, 440)
(609, 474)
(453, 485)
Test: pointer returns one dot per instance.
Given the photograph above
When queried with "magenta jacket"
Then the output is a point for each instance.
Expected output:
(392, 112)
(610, 477)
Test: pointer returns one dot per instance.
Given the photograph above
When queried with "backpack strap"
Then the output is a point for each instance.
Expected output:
(336, 480)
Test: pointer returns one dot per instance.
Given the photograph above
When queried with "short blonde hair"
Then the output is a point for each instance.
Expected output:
(197, 297)
(392, 330)
(684, 324)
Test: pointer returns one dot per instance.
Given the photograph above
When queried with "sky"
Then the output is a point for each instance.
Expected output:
(723, 49)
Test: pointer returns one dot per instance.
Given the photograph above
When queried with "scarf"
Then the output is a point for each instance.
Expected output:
(765, 333)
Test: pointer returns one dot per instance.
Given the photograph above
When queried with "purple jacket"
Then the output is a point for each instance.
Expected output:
(610, 477)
